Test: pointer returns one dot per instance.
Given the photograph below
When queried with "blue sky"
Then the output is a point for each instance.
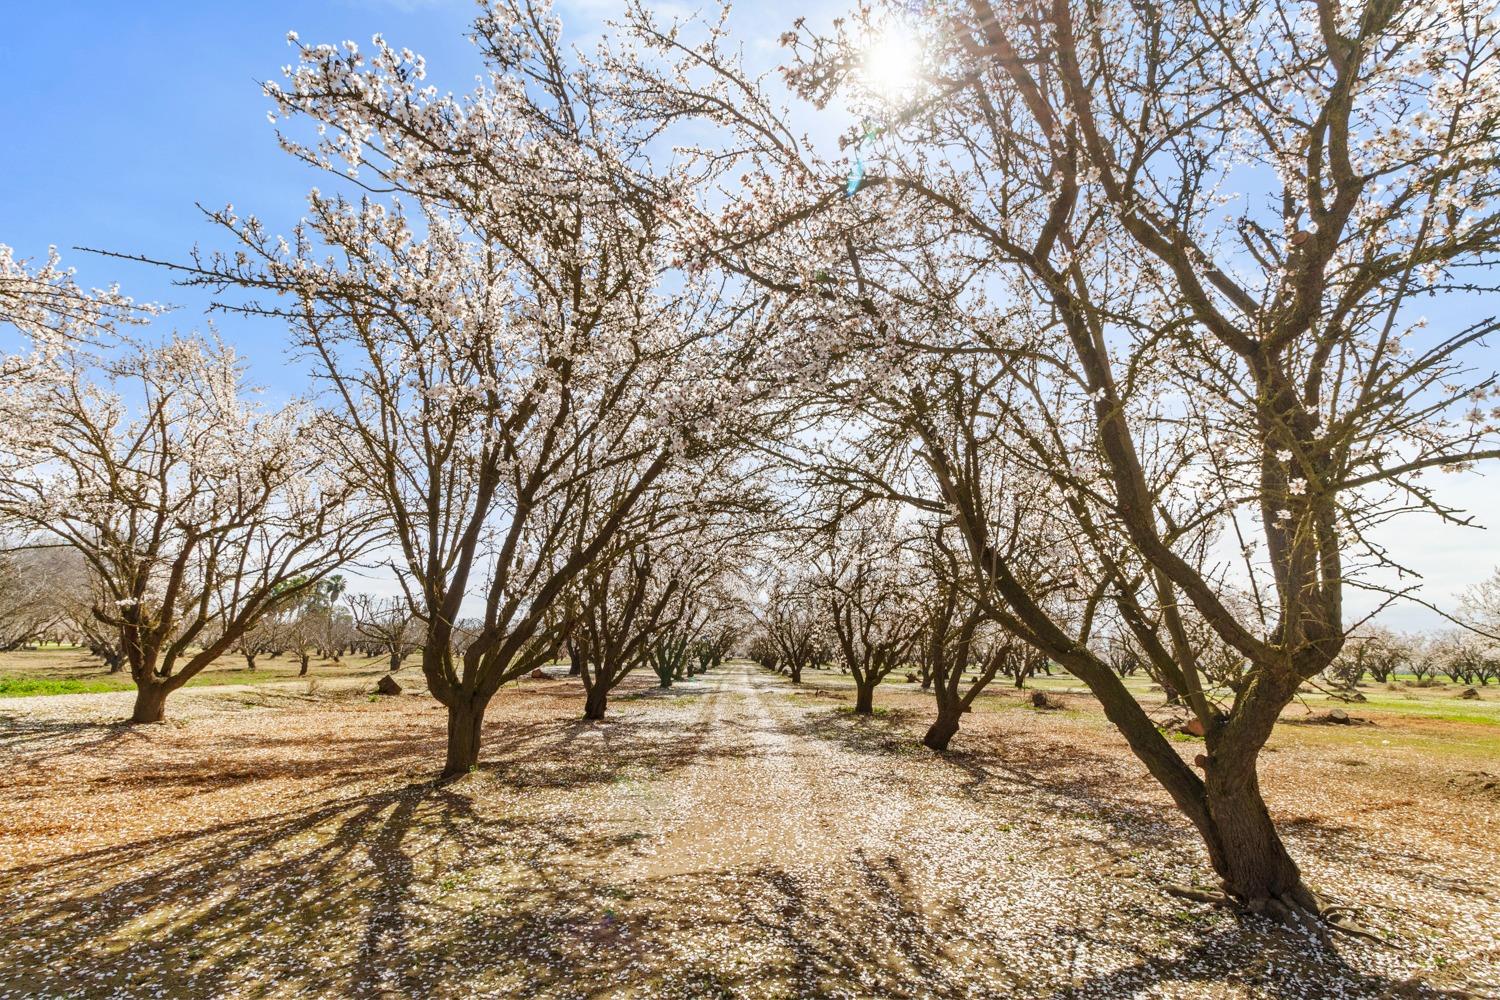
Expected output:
(119, 115)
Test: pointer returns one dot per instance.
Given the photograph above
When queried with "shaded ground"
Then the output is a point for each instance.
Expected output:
(733, 837)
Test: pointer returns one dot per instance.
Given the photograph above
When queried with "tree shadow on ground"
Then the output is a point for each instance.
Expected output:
(515, 882)
(24, 734)
(888, 733)
(405, 889)
(1272, 963)
(1076, 781)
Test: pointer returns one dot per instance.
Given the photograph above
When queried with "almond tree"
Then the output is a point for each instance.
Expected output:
(260, 638)
(82, 592)
(1374, 650)
(962, 649)
(387, 623)
(867, 593)
(620, 607)
(648, 598)
(199, 511)
(33, 602)
(504, 344)
(1481, 606)
(790, 622)
(1190, 370)
(1465, 656)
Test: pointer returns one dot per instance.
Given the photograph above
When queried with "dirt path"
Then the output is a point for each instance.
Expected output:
(814, 853)
(732, 837)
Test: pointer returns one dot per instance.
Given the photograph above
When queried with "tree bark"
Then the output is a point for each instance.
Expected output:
(150, 702)
(464, 722)
(864, 699)
(597, 701)
(395, 662)
(305, 659)
(943, 728)
(794, 670)
(1252, 859)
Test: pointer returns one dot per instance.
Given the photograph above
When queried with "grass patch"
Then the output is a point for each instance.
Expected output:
(1450, 709)
(24, 687)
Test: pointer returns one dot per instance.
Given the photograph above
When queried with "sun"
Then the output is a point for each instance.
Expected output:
(892, 60)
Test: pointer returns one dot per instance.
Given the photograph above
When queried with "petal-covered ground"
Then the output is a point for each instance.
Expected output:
(732, 837)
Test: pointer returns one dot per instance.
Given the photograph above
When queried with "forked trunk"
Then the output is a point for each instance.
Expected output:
(596, 702)
(943, 728)
(794, 670)
(1252, 860)
(464, 721)
(150, 702)
(250, 660)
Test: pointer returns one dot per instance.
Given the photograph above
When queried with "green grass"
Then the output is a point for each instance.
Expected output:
(21, 687)
(1418, 703)
(59, 671)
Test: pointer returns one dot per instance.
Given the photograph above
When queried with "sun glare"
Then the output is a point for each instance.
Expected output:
(892, 61)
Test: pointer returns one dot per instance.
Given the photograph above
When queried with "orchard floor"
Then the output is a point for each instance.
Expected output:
(734, 837)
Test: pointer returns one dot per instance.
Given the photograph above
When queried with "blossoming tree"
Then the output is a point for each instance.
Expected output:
(1188, 372)
(507, 348)
(198, 511)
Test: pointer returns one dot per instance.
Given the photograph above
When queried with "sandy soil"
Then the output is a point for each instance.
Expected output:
(734, 837)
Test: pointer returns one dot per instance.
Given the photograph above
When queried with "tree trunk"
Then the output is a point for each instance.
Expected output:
(596, 701)
(150, 702)
(1255, 864)
(395, 662)
(305, 659)
(794, 670)
(864, 699)
(250, 660)
(943, 728)
(464, 722)
(575, 663)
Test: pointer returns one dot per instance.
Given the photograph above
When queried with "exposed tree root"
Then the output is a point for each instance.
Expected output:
(1199, 895)
(1304, 911)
